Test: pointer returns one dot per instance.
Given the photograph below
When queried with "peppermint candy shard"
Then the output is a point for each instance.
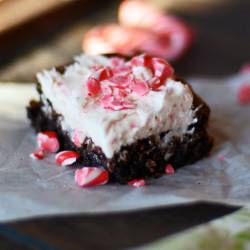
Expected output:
(114, 90)
(169, 169)
(66, 158)
(47, 141)
(93, 86)
(105, 73)
(160, 68)
(244, 94)
(140, 88)
(137, 183)
(171, 36)
(37, 155)
(221, 157)
(91, 176)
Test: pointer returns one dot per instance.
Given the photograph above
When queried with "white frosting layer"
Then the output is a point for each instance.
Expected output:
(158, 111)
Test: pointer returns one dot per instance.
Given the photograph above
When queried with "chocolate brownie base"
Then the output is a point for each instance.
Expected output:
(142, 159)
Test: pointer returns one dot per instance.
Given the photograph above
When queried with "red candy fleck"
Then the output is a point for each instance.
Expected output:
(155, 83)
(93, 86)
(37, 155)
(221, 158)
(105, 73)
(66, 158)
(133, 125)
(91, 176)
(120, 80)
(162, 69)
(244, 94)
(142, 60)
(47, 141)
(169, 169)
(137, 183)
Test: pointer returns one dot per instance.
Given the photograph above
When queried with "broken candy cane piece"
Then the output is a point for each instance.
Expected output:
(244, 94)
(160, 68)
(93, 86)
(172, 36)
(140, 87)
(91, 176)
(137, 183)
(47, 141)
(221, 157)
(37, 155)
(169, 169)
(66, 158)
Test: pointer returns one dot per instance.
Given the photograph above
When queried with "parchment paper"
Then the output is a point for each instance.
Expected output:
(34, 188)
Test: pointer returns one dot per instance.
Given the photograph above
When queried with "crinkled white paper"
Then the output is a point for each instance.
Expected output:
(33, 188)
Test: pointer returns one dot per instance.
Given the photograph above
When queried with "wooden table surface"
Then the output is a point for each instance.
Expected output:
(223, 45)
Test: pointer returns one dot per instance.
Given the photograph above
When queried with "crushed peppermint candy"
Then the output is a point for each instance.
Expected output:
(244, 94)
(113, 86)
(221, 157)
(169, 169)
(137, 183)
(91, 176)
(66, 158)
(48, 141)
(37, 155)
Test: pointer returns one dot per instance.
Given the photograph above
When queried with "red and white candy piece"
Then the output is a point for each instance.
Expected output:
(244, 94)
(137, 183)
(160, 68)
(140, 88)
(91, 176)
(66, 158)
(113, 38)
(37, 155)
(172, 37)
(169, 169)
(93, 86)
(47, 141)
